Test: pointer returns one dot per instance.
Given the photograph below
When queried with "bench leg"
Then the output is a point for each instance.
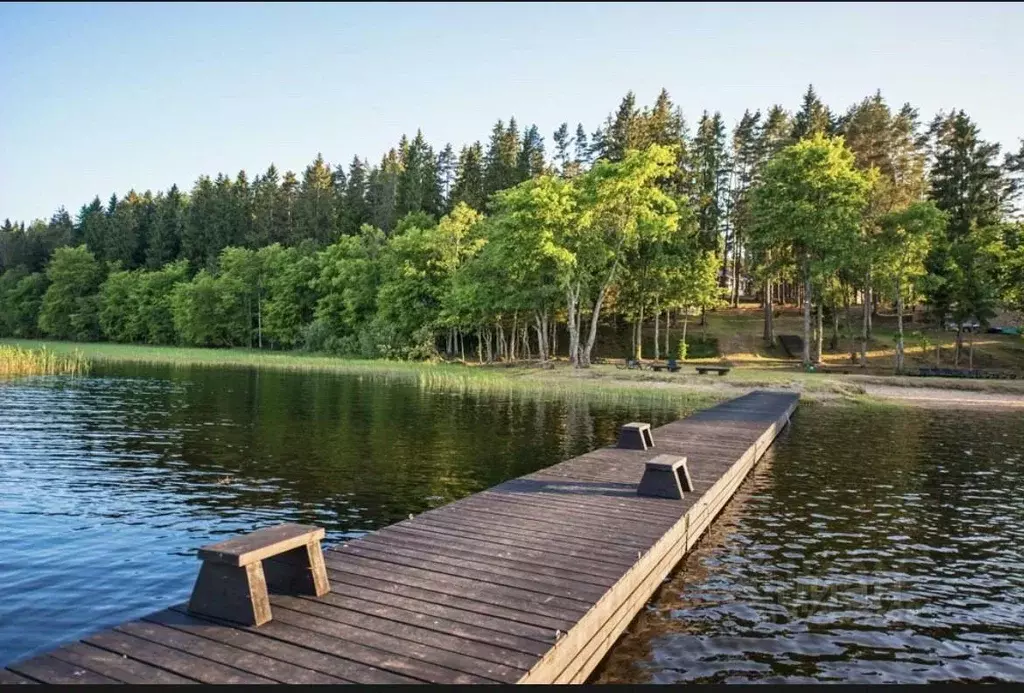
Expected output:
(299, 571)
(233, 593)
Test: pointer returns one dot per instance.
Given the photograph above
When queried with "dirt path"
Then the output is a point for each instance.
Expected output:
(936, 397)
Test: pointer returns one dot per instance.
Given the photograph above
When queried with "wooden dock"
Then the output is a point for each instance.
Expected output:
(531, 581)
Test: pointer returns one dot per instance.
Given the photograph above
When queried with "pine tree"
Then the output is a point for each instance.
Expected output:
(500, 162)
(1013, 171)
(242, 212)
(286, 221)
(314, 208)
(381, 191)
(966, 181)
(623, 132)
(582, 155)
(890, 143)
(60, 231)
(123, 242)
(355, 210)
(813, 117)
(777, 133)
(168, 228)
(530, 162)
(968, 185)
(339, 182)
(563, 142)
(417, 180)
(446, 168)
(469, 179)
(266, 200)
(746, 141)
(92, 225)
(710, 163)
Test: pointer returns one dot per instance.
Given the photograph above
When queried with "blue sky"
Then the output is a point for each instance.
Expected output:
(98, 98)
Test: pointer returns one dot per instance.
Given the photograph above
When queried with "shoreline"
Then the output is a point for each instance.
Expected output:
(561, 380)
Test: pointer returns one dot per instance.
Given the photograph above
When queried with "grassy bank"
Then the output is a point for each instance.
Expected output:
(19, 361)
(561, 382)
(605, 381)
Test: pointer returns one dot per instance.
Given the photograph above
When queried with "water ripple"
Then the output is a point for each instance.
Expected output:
(868, 547)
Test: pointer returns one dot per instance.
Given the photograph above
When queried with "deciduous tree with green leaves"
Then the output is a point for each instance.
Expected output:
(810, 202)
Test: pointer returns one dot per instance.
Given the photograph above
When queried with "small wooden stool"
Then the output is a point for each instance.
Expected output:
(233, 581)
(665, 476)
(635, 436)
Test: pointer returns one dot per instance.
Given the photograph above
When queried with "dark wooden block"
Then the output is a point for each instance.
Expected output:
(234, 581)
(635, 436)
(666, 476)
(234, 593)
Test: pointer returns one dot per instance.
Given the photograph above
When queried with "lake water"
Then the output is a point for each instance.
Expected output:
(869, 546)
(109, 483)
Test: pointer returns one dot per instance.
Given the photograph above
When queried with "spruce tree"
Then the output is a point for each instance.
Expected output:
(624, 132)
(446, 168)
(168, 227)
(314, 209)
(265, 202)
(710, 162)
(968, 185)
(582, 154)
(813, 117)
(966, 180)
(355, 209)
(563, 141)
(530, 162)
(469, 179)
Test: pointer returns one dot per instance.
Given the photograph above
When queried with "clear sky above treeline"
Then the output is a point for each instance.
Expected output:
(101, 98)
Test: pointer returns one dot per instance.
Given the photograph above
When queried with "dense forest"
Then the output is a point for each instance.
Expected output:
(491, 252)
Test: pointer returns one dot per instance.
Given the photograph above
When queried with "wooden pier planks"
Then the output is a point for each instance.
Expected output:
(531, 581)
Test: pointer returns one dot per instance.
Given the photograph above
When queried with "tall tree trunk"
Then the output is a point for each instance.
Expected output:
(259, 319)
(668, 327)
(735, 272)
(462, 345)
(513, 335)
(686, 319)
(657, 342)
(959, 344)
(866, 328)
(594, 317)
(834, 342)
(970, 350)
(807, 318)
(479, 347)
(769, 314)
(553, 345)
(899, 329)
(639, 353)
(819, 330)
(849, 326)
(871, 304)
(572, 322)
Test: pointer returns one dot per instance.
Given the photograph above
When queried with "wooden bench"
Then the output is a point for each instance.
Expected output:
(233, 581)
(721, 370)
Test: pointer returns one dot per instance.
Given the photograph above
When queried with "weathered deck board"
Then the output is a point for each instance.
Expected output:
(530, 581)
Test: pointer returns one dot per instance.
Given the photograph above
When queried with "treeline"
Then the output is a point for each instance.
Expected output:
(494, 249)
